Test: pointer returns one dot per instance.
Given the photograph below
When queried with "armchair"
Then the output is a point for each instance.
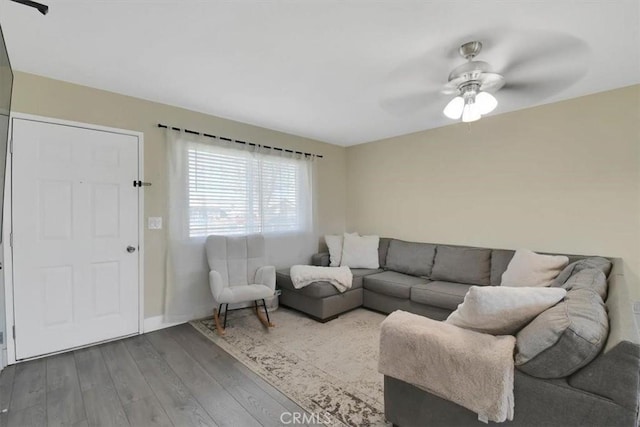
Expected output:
(238, 274)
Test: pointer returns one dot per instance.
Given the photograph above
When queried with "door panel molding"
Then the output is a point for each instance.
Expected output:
(8, 223)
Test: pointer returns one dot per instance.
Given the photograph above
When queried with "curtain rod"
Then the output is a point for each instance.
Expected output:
(237, 141)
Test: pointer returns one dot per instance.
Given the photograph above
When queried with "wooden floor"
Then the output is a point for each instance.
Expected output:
(170, 377)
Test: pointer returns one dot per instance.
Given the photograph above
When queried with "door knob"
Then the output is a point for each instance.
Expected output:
(131, 249)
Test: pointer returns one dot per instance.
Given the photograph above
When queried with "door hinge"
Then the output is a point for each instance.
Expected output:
(11, 239)
(141, 184)
(11, 145)
(14, 331)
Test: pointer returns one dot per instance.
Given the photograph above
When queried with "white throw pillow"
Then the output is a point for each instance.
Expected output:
(360, 251)
(501, 310)
(334, 244)
(528, 268)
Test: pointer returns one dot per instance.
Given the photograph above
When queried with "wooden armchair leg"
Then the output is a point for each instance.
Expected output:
(216, 319)
(265, 321)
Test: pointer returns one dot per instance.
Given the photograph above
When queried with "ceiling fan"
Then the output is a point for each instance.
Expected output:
(527, 67)
(42, 8)
(472, 83)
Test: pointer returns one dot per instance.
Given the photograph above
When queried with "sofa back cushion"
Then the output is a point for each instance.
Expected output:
(568, 336)
(411, 258)
(500, 259)
(383, 248)
(462, 265)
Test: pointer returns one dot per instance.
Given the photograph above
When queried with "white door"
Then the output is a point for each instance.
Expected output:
(75, 236)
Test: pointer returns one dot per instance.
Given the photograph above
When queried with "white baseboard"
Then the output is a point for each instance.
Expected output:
(157, 322)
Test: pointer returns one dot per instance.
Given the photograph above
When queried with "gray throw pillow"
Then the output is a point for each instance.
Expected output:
(462, 265)
(569, 335)
(597, 262)
(590, 280)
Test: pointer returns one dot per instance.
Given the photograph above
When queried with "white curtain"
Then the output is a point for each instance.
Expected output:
(208, 180)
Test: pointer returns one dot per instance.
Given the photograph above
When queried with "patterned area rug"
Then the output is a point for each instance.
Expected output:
(326, 368)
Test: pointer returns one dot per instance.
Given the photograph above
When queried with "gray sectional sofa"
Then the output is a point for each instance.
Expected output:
(421, 278)
(431, 280)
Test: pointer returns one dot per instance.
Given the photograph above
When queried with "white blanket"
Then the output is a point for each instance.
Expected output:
(472, 369)
(304, 275)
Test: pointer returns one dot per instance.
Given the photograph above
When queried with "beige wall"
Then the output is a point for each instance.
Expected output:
(53, 98)
(561, 177)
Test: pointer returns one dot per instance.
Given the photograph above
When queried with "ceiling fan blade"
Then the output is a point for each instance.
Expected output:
(410, 103)
(535, 84)
(416, 83)
(534, 91)
(42, 8)
(547, 54)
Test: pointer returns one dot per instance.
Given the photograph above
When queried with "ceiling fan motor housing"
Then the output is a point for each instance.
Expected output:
(472, 74)
(470, 50)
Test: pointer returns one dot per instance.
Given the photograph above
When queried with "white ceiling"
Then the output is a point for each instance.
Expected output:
(343, 72)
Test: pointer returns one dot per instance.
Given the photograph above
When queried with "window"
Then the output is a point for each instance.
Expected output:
(240, 193)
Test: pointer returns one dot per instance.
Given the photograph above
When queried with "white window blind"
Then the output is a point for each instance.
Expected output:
(241, 193)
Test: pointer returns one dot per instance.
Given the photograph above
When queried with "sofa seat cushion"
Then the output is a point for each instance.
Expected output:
(321, 289)
(392, 283)
(462, 265)
(440, 294)
(361, 272)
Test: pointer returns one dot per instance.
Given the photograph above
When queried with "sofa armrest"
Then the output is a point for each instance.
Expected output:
(622, 324)
(320, 259)
(614, 375)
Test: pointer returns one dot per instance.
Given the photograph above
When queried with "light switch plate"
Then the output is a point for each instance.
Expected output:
(154, 223)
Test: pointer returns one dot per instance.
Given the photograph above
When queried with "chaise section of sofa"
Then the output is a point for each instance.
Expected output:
(321, 300)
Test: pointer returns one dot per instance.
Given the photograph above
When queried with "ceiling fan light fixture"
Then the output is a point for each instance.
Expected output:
(454, 108)
(471, 112)
(486, 102)
(471, 83)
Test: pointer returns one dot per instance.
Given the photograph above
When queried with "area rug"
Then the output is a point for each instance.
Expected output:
(329, 369)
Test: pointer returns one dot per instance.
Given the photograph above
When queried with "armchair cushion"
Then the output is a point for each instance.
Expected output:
(236, 294)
